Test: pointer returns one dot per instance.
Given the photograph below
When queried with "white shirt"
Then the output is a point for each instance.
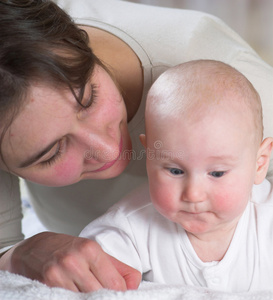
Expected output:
(135, 233)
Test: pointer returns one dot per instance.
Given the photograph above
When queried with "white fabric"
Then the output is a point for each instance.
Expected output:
(135, 233)
(161, 38)
(15, 287)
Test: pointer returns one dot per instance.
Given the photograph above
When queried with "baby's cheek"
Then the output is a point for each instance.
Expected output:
(223, 202)
(231, 202)
(163, 203)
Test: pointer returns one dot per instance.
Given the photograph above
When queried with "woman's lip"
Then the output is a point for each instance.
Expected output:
(111, 163)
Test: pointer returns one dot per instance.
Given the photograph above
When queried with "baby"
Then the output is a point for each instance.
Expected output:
(206, 217)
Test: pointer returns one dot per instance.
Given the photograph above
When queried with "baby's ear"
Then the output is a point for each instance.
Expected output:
(263, 159)
(143, 141)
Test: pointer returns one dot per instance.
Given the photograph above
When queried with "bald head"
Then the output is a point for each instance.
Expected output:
(188, 90)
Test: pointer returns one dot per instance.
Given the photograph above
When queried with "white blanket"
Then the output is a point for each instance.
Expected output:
(13, 287)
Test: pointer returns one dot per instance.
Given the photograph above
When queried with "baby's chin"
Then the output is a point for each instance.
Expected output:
(196, 223)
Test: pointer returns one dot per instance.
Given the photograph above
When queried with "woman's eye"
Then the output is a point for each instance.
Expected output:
(176, 171)
(58, 153)
(92, 99)
(217, 174)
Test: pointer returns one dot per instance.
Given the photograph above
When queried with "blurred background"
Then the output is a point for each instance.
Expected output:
(252, 19)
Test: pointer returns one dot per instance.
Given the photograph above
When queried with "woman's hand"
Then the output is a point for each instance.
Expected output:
(69, 262)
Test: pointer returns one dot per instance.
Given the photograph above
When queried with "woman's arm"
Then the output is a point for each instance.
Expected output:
(55, 259)
(70, 262)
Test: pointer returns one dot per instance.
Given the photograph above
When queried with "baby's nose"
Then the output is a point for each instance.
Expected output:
(193, 191)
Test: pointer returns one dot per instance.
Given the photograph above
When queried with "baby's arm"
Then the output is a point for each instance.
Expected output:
(114, 233)
(124, 230)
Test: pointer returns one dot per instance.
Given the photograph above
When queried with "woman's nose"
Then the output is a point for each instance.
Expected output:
(102, 149)
(194, 190)
(99, 145)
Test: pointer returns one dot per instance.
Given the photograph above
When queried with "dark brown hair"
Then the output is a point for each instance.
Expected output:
(39, 42)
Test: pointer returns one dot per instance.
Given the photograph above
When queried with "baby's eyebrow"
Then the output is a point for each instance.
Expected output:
(37, 156)
(168, 154)
(224, 157)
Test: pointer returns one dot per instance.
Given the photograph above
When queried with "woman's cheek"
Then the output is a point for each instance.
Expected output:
(67, 172)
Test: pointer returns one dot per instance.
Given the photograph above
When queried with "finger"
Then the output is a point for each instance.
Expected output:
(72, 272)
(107, 274)
(85, 280)
(56, 277)
(97, 268)
(88, 284)
(131, 276)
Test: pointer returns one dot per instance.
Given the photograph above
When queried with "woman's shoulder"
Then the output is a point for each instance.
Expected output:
(160, 36)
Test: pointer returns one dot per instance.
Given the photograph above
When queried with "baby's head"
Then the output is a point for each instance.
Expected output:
(204, 144)
(194, 89)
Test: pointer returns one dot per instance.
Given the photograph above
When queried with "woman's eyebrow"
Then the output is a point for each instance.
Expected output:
(37, 156)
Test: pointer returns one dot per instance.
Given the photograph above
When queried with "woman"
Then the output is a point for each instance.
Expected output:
(69, 113)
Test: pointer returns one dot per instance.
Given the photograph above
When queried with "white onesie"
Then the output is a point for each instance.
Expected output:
(136, 234)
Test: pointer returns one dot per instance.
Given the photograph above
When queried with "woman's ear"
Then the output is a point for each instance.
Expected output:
(143, 141)
(263, 159)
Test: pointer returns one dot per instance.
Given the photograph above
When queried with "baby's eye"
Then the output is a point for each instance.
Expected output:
(217, 174)
(176, 171)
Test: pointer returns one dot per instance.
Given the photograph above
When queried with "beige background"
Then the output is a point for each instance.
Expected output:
(252, 19)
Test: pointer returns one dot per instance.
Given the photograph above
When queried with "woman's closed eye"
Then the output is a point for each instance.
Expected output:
(91, 99)
(58, 151)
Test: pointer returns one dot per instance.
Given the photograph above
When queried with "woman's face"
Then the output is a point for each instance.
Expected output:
(55, 142)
